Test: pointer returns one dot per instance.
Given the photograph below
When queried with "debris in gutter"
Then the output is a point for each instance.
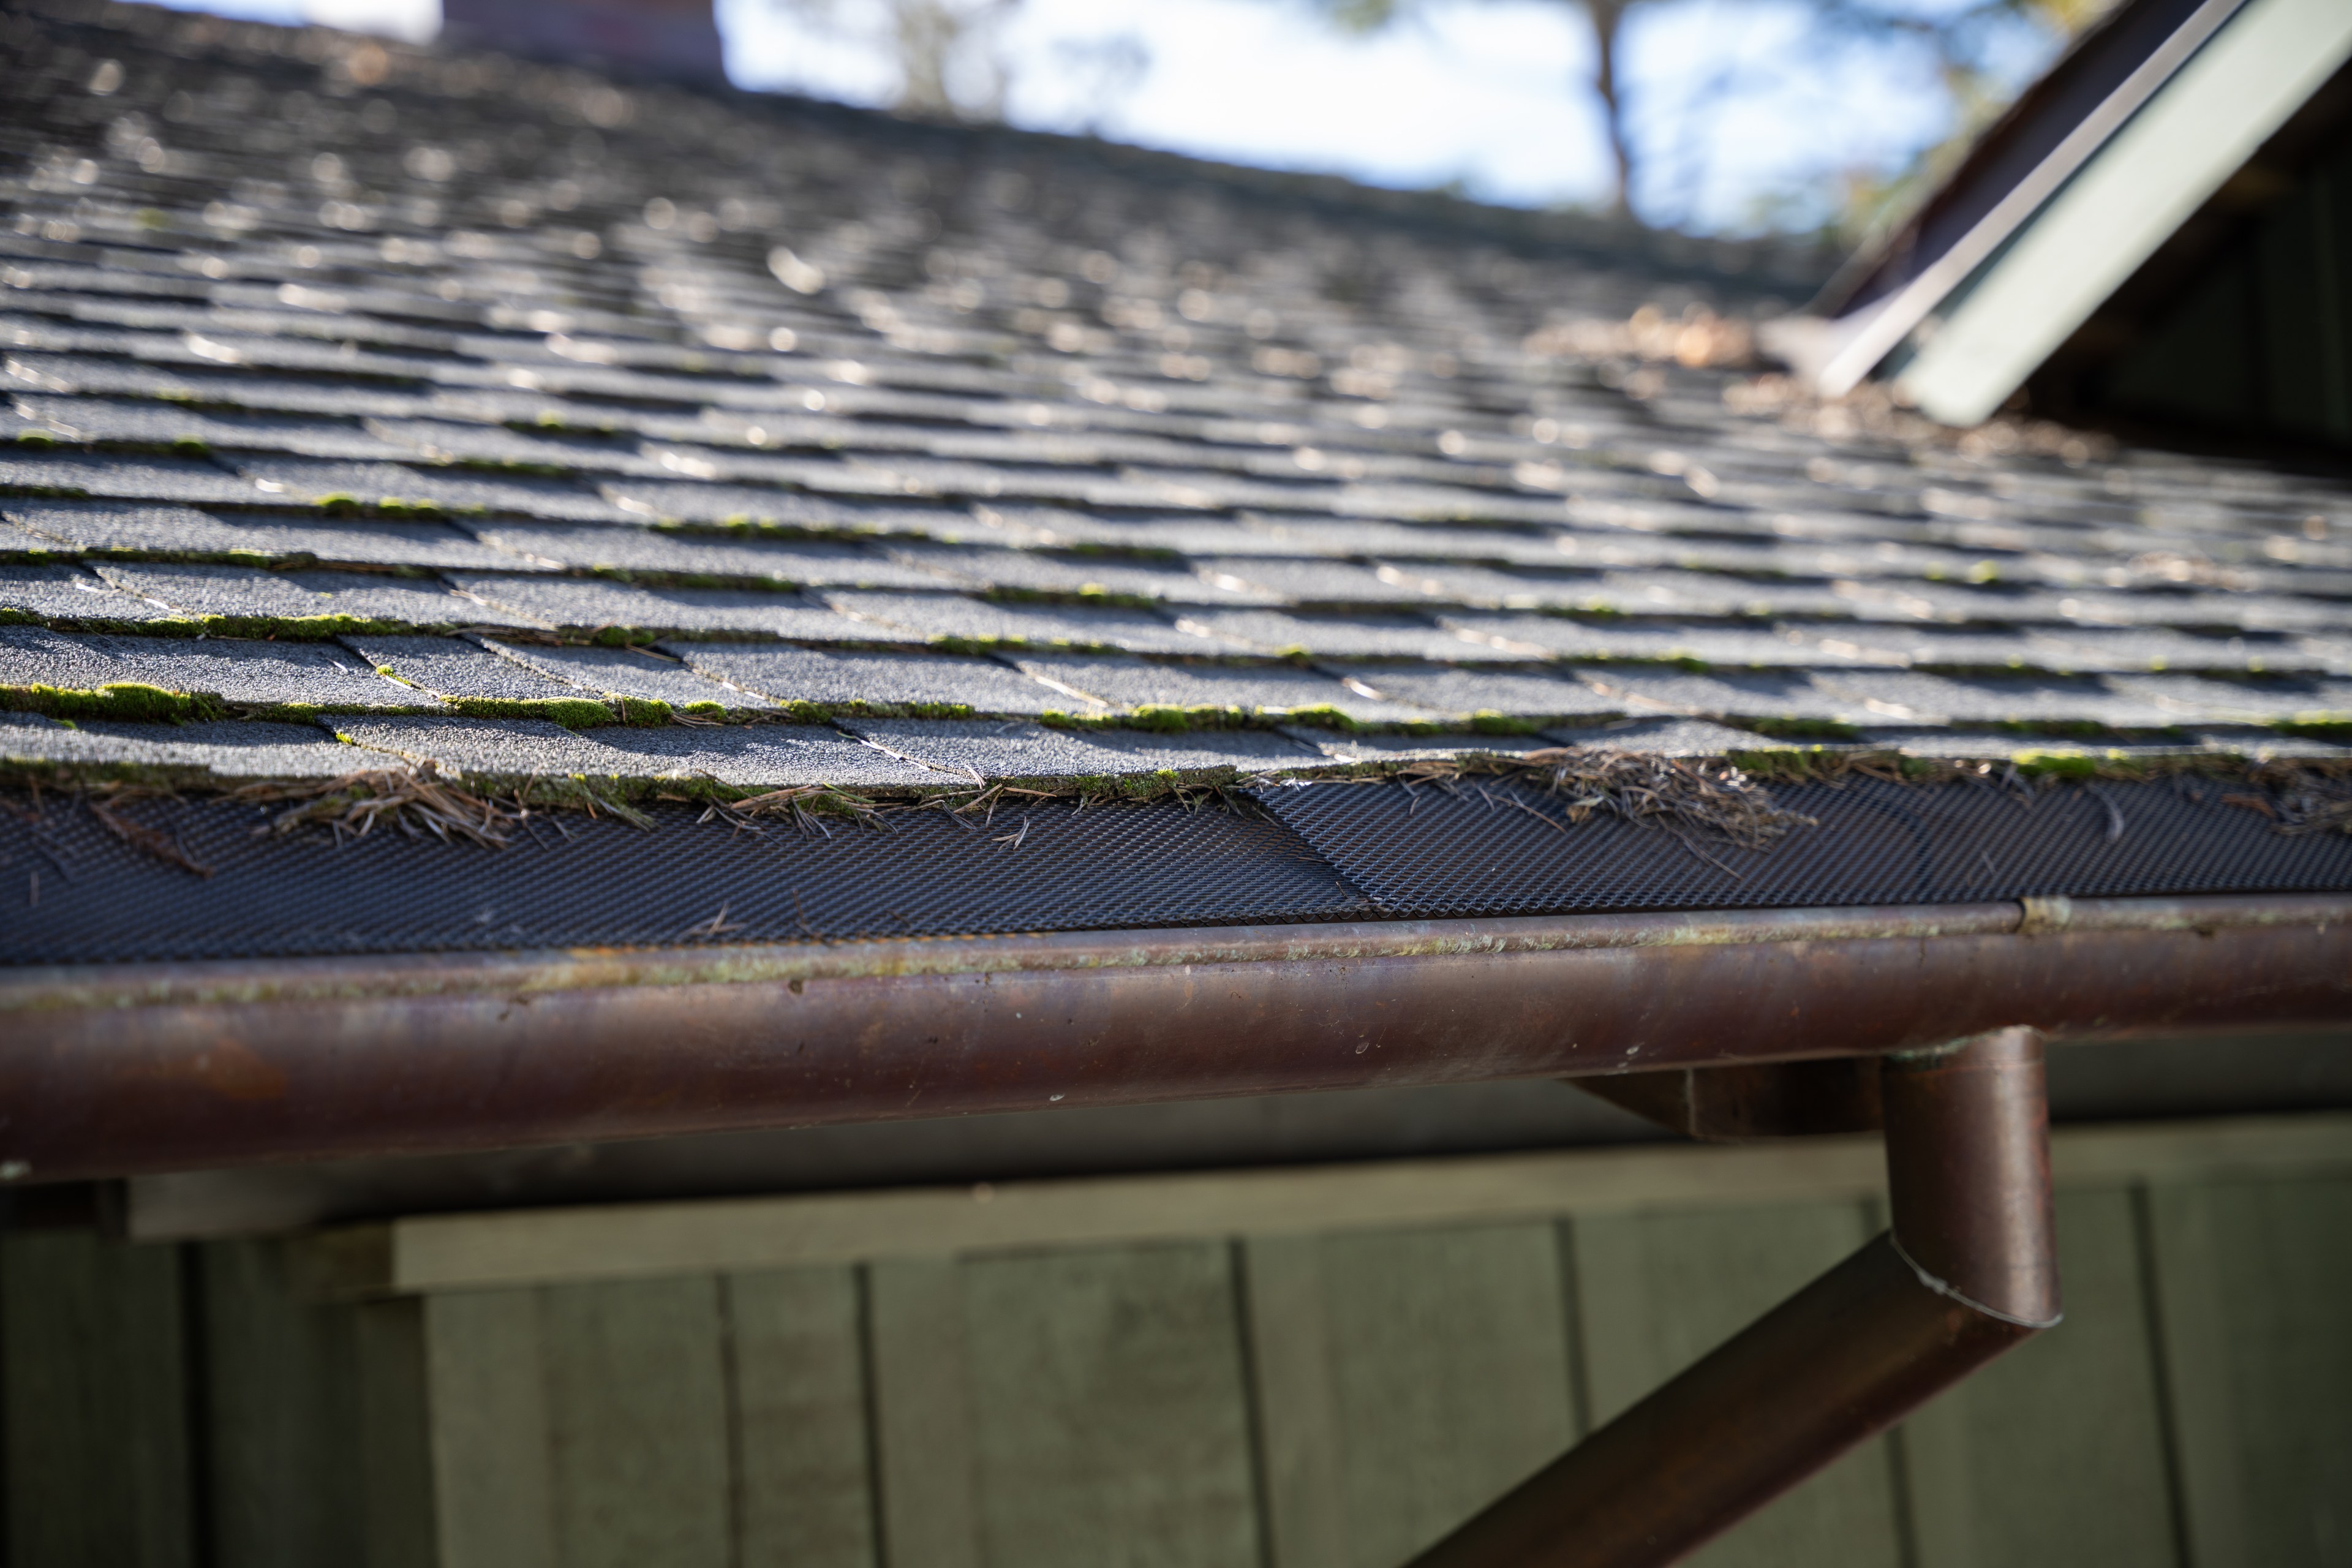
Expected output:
(412, 799)
(1727, 798)
(1711, 795)
(148, 841)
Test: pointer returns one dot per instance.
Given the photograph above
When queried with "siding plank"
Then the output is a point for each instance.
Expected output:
(1449, 1369)
(395, 1444)
(1296, 1405)
(804, 1499)
(283, 1384)
(2053, 1455)
(637, 1408)
(2185, 1263)
(1657, 1291)
(1108, 1409)
(2253, 1278)
(94, 1397)
(491, 1469)
(922, 1414)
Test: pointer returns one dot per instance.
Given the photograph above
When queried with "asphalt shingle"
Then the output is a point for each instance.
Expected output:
(393, 487)
(1338, 637)
(1458, 695)
(600, 547)
(1013, 751)
(591, 607)
(61, 596)
(162, 425)
(472, 680)
(231, 751)
(99, 527)
(1275, 693)
(85, 672)
(883, 684)
(634, 673)
(514, 749)
(246, 601)
(953, 619)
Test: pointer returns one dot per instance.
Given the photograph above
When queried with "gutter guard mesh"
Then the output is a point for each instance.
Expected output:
(1472, 851)
(1328, 852)
(603, 883)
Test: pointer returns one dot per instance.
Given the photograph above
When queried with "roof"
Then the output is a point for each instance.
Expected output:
(2171, 126)
(550, 451)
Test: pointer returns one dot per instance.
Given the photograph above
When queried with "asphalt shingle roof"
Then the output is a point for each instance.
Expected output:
(634, 433)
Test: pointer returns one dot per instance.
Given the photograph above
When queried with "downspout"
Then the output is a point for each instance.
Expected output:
(1967, 1270)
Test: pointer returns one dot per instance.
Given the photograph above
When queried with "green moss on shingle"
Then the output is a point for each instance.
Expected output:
(299, 628)
(129, 700)
(643, 711)
(516, 467)
(1090, 595)
(1802, 729)
(1487, 721)
(572, 712)
(1321, 716)
(388, 506)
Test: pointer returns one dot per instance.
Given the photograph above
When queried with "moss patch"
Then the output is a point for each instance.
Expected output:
(1801, 728)
(128, 701)
(391, 508)
(307, 628)
(572, 712)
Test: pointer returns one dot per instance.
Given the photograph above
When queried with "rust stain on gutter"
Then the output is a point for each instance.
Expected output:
(113, 1072)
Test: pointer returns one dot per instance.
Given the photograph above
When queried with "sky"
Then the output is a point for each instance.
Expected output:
(1744, 116)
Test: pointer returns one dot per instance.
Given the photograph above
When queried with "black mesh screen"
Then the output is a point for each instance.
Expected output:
(72, 892)
(595, 883)
(1426, 851)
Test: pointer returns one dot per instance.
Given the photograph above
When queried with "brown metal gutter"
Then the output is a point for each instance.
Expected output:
(182, 1067)
(1969, 1269)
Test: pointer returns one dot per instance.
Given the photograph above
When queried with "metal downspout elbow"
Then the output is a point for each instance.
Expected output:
(1969, 1269)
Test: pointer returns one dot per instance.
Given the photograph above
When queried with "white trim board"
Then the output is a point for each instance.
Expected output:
(2213, 115)
(1851, 346)
(534, 1246)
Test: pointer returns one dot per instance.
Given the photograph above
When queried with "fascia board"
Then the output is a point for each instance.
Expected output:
(2176, 153)
(1852, 346)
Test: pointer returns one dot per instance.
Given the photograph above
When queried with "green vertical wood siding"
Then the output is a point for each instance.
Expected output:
(2254, 1279)
(95, 1400)
(1449, 1353)
(1110, 1417)
(282, 1470)
(486, 1382)
(803, 1494)
(638, 1424)
(1328, 1400)
(922, 1414)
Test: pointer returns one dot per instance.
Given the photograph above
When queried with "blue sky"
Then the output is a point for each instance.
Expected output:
(1738, 108)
